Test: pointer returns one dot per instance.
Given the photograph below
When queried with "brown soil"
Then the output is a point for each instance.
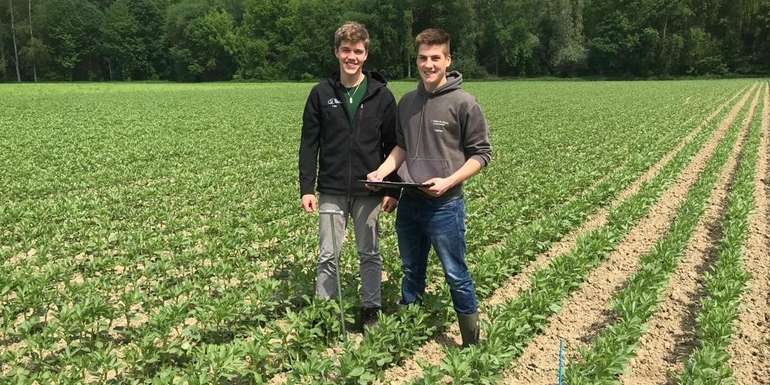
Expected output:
(432, 353)
(280, 378)
(669, 338)
(750, 350)
(520, 282)
(588, 309)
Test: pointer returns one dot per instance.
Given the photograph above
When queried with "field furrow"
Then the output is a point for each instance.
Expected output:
(614, 345)
(431, 353)
(750, 349)
(514, 323)
(520, 243)
(151, 233)
(726, 278)
(589, 309)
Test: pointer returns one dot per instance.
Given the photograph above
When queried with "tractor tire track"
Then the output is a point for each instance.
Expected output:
(432, 351)
(589, 306)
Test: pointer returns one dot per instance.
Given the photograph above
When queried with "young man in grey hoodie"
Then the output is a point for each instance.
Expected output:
(442, 140)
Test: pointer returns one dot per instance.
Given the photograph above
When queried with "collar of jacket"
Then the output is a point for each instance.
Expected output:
(375, 81)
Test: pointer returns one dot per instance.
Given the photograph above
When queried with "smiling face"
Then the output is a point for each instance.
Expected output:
(432, 63)
(351, 57)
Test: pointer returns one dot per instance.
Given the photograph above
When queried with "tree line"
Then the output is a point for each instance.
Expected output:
(209, 40)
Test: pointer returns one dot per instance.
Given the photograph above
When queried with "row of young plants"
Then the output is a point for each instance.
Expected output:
(513, 324)
(114, 136)
(163, 264)
(288, 354)
(557, 180)
(726, 279)
(220, 273)
(295, 353)
(380, 349)
(539, 180)
(134, 269)
(608, 353)
(379, 357)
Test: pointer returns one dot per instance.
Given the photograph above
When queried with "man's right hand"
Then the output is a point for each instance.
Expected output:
(309, 203)
(373, 176)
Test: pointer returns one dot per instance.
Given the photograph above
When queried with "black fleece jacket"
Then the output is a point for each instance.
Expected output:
(335, 154)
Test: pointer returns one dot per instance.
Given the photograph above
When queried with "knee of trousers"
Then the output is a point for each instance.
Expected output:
(460, 282)
(413, 276)
(413, 268)
(370, 258)
(325, 257)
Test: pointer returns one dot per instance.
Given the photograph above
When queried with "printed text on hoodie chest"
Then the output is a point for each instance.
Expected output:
(442, 126)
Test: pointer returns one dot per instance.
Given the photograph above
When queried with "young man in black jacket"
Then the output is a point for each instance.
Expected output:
(348, 129)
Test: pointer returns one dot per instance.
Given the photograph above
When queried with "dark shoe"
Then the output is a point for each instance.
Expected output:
(369, 316)
(469, 328)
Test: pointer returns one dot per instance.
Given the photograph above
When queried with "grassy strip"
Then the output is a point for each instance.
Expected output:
(726, 280)
(513, 324)
(633, 306)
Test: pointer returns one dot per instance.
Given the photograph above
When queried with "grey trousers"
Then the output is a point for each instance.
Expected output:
(364, 212)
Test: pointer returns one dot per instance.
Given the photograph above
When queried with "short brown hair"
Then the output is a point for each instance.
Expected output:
(352, 32)
(432, 36)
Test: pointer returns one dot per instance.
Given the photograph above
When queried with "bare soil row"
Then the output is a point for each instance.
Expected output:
(597, 290)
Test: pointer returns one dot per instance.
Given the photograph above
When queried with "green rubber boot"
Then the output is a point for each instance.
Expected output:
(469, 328)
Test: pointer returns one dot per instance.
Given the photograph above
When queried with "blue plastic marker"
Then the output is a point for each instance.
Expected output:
(561, 361)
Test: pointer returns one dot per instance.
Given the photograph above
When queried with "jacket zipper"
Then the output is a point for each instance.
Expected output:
(422, 124)
(354, 128)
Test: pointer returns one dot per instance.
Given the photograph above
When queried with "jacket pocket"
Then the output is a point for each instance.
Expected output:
(368, 133)
(420, 170)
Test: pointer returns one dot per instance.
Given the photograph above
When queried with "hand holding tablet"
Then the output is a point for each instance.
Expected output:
(385, 183)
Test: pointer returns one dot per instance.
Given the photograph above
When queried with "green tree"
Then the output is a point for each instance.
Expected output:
(702, 55)
(760, 50)
(13, 36)
(268, 26)
(72, 32)
(121, 46)
(35, 53)
(390, 26)
(507, 39)
(561, 37)
(149, 30)
(3, 61)
(311, 52)
(35, 46)
(131, 45)
(459, 18)
(202, 42)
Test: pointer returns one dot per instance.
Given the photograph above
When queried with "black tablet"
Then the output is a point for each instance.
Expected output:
(386, 183)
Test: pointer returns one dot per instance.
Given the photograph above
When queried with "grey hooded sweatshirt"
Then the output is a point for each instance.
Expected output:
(440, 131)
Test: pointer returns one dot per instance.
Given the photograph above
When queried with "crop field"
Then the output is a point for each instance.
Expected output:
(152, 234)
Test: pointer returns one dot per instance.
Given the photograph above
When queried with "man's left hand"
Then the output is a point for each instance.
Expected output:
(389, 204)
(439, 187)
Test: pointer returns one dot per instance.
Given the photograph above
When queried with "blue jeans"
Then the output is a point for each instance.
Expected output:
(422, 223)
